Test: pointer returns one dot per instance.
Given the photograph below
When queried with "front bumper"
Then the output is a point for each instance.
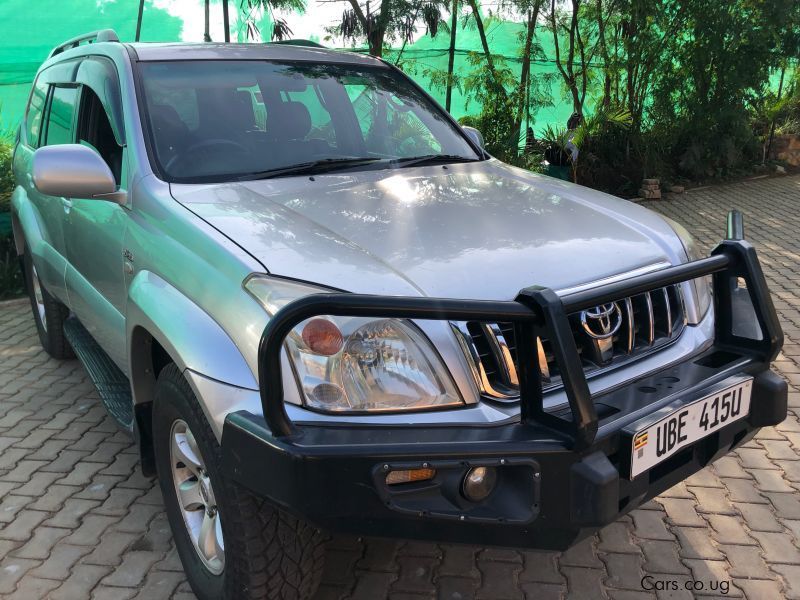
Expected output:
(562, 474)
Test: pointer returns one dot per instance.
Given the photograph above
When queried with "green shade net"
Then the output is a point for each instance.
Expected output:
(29, 31)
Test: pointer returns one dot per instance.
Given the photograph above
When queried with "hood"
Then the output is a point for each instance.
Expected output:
(475, 230)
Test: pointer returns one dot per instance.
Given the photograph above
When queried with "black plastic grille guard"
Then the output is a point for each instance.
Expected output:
(536, 311)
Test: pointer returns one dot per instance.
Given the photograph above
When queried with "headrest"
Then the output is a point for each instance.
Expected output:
(288, 121)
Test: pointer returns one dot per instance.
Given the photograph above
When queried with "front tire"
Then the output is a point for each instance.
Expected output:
(48, 313)
(232, 543)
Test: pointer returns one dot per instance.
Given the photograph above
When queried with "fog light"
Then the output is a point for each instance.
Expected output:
(409, 476)
(479, 483)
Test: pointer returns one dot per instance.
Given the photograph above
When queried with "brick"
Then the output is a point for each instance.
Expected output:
(617, 537)
(118, 502)
(677, 491)
(54, 499)
(787, 506)
(790, 468)
(457, 560)
(41, 544)
(759, 517)
(32, 587)
(416, 575)
(730, 467)
(12, 569)
(704, 478)
(780, 450)
(90, 530)
(791, 578)
(23, 470)
(584, 583)
(162, 585)
(38, 485)
(753, 458)
(729, 530)
(133, 569)
(712, 500)
(744, 490)
(21, 528)
(60, 562)
(746, 562)
(10, 506)
(110, 550)
(71, 515)
(99, 488)
(695, 542)
(581, 554)
(624, 571)
(770, 481)
(499, 580)
(138, 518)
(81, 475)
(650, 525)
(682, 512)
(778, 547)
(80, 583)
(662, 557)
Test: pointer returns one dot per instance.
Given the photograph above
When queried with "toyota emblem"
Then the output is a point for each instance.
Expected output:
(601, 322)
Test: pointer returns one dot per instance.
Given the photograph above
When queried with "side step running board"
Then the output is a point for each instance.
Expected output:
(111, 383)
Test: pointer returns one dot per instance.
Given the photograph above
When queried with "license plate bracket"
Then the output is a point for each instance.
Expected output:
(653, 439)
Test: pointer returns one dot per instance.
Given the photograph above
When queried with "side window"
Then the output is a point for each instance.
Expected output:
(63, 101)
(94, 130)
(33, 118)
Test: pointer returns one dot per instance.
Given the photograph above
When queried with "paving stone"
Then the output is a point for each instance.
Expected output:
(771, 481)
(10, 506)
(104, 592)
(617, 537)
(729, 530)
(712, 574)
(71, 515)
(729, 467)
(746, 562)
(457, 560)
(80, 583)
(624, 571)
(416, 575)
(662, 557)
(499, 580)
(32, 588)
(133, 569)
(12, 569)
(539, 591)
(581, 554)
(754, 458)
(584, 583)
(41, 543)
(59, 564)
(38, 485)
(712, 500)
(758, 517)
(778, 547)
(21, 528)
(791, 578)
(160, 585)
(650, 525)
(759, 589)
(696, 543)
(90, 530)
(787, 506)
(780, 450)
(742, 490)
(682, 512)
(111, 549)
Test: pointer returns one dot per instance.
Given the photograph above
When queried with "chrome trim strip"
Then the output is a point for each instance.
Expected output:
(631, 326)
(651, 334)
(543, 366)
(612, 278)
(505, 361)
(665, 291)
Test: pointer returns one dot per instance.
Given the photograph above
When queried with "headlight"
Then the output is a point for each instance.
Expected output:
(701, 286)
(354, 364)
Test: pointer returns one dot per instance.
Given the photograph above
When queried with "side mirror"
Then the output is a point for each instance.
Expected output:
(475, 135)
(73, 171)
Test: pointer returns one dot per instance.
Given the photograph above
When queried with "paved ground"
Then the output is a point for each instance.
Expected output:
(78, 520)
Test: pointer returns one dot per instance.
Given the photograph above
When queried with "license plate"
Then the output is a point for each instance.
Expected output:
(689, 423)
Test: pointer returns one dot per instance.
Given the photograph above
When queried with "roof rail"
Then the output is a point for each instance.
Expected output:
(94, 37)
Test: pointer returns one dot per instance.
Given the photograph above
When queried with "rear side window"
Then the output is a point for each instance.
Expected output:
(60, 117)
(33, 119)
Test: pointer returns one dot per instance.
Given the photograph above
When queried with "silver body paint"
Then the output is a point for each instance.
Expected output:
(167, 264)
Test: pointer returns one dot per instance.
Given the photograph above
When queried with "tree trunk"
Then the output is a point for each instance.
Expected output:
(484, 42)
(526, 69)
(226, 21)
(451, 57)
(207, 31)
(601, 38)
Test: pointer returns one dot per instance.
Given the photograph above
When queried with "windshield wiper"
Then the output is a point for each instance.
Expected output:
(432, 159)
(314, 166)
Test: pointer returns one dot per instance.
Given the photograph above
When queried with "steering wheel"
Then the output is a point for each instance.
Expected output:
(203, 145)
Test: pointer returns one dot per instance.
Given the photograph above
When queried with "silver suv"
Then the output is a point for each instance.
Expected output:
(320, 306)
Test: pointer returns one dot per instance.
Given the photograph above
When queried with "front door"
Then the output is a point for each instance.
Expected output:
(94, 232)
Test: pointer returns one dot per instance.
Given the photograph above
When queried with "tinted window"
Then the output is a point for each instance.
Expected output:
(33, 120)
(94, 130)
(60, 116)
(223, 120)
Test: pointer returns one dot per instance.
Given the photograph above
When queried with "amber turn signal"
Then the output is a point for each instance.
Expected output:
(410, 475)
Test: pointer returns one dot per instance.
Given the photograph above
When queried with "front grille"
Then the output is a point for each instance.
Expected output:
(646, 322)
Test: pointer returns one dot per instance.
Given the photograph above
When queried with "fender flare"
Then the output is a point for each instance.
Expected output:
(193, 340)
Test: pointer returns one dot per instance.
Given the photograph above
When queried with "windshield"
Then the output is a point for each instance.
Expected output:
(232, 120)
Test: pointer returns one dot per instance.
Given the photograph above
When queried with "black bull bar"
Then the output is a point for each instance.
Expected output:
(539, 311)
